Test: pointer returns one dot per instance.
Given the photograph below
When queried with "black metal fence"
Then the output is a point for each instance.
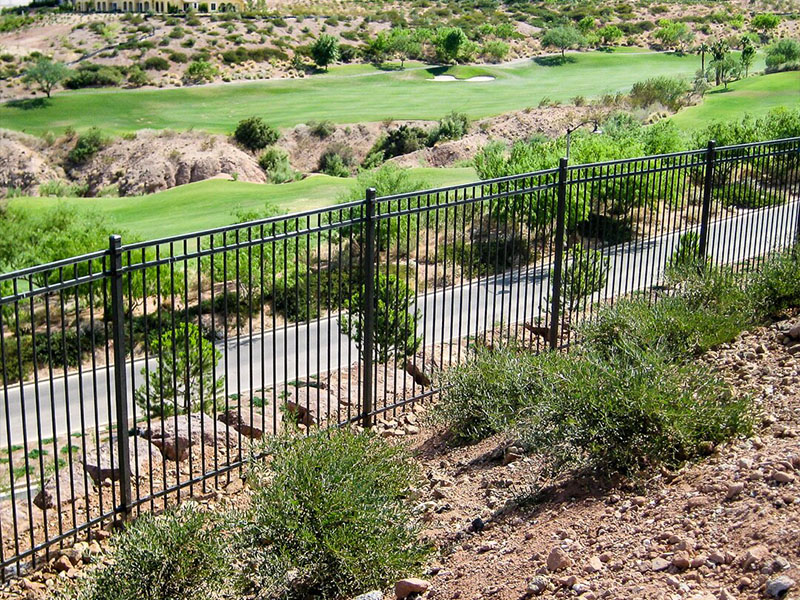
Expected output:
(144, 374)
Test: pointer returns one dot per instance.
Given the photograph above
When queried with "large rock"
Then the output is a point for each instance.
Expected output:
(100, 466)
(176, 435)
(70, 485)
(241, 420)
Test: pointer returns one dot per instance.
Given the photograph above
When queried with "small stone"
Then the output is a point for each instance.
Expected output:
(725, 595)
(639, 500)
(478, 525)
(659, 564)
(373, 595)
(568, 582)
(718, 558)
(782, 477)
(754, 557)
(744, 582)
(697, 502)
(558, 560)
(780, 586)
(734, 489)
(594, 565)
(537, 585)
(681, 560)
(62, 565)
(412, 585)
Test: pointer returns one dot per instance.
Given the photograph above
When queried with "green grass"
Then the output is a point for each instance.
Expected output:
(756, 95)
(211, 203)
(378, 95)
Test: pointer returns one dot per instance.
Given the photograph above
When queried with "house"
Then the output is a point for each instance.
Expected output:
(159, 6)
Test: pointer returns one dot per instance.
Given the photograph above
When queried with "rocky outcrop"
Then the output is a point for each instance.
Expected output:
(22, 165)
(176, 435)
(152, 162)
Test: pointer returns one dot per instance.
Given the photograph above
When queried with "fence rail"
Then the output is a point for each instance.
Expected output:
(147, 373)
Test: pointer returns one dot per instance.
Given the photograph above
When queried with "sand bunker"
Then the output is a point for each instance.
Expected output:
(471, 79)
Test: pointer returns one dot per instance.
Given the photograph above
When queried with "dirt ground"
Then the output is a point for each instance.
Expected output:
(725, 528)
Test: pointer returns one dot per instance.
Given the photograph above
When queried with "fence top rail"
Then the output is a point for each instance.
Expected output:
(778, 142)
(464, 186)
(52, 266)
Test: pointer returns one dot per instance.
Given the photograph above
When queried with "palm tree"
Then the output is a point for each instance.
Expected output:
(702, 49)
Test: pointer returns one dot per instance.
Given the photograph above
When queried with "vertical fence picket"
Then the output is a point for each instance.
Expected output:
(708, 192)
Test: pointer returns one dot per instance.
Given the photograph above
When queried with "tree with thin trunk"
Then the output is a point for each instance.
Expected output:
(563, 38)
(702, 49)
(46, 74)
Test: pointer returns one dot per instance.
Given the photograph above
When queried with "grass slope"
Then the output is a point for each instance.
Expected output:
(754, 95)
(349, 95)
(211, 203)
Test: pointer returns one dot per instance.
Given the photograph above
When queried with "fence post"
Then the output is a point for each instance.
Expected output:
(120, 382)
(708, 190)
(558, 260)
(369, 302)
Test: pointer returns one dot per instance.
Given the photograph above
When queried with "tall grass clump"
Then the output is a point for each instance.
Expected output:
(179, 555)
(330, 518)
(775, 286)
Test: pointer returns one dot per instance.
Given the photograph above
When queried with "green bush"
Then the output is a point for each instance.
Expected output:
(91, 75)
(686, 254)
(775, 285)
(199, 71)
(304, 297)
(397, 142)
(668, 91)
(86, 146)
(783, 55)
(275, 162)
(332, 536)
(453, 127)
(254, 134)
(494, 253)
(179, 555)
(619, 414)
(322, 129)
(630, 414)
(156, 63)
(178, 57)
(750, 195)
(337, 160)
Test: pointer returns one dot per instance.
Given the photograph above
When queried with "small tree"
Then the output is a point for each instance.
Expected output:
(394, 322)
(610, 34)
(673, 35)
(765, 23)
(449, 43)
(563, 38)
(783, 54)
(325, 50)
(199, 71)
(748, 55)
(586, 274)
(184, 379)
(702, 49)
(254, 134)
(719, 50)
(46, 74)
(728, 69)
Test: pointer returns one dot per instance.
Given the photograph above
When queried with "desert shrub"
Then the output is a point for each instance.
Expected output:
(346, 533)
(62, 189)
(775, 286)
(783, 54)
(668, 91)
(618, 414)
(254, 134)
(397, 142)
(179, 555)
(452, 127)
(275, 162)
(494, 253)
(87, 145)
(750, 195)
(156, 63)
(337, 160)
(322, 129)
(630, 413)
(91, 75)
(178, 57)
(495, 50)
(303, 297)
(708, 309)
(137, 77)
(199, 71)
(16, 360)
